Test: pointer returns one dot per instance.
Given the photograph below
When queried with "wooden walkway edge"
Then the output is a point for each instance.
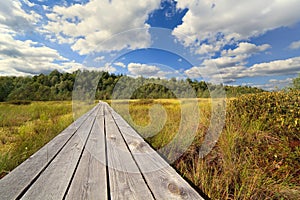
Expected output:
(99, 156)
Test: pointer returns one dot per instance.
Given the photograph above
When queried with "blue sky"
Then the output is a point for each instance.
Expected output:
(255, 43)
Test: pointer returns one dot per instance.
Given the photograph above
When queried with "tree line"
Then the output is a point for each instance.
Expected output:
(59, 86)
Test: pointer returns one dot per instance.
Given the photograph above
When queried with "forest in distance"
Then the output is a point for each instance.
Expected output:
(59, 86)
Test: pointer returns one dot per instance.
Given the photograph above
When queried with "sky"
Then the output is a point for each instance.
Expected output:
(254, 43)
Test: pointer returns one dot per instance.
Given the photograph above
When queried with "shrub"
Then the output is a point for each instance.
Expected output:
(278, 112)
(19, 102)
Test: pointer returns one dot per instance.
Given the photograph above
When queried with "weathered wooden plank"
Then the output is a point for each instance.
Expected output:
(126, 182)
(13, 184)
(163, 180)
(90, 180)
(54, 181)
(75, 165)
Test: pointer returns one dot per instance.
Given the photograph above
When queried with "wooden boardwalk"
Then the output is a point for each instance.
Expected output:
(99, 156)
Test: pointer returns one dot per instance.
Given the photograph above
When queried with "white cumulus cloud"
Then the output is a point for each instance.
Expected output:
(230, 65)
(106, 68)
(138, 69)
(295, 45)
(289, 66)
(275, 84)
(120, 64)
(13, 19)
(237, 56)
(246, 48)
(27, 57)
(217, 23)
(98, 59)
(277, 67)
(87, 26)
(30, 4)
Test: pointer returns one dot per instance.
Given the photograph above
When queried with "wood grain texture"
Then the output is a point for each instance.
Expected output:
(23, 175)
(100, 157)
(53, 182)
(163, 180)
(126, 182)
(90, 180)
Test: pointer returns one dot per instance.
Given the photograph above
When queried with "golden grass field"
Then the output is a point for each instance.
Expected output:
(26, 128)
(249, 161)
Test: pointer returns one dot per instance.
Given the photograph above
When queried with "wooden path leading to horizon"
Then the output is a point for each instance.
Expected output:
(99, 156)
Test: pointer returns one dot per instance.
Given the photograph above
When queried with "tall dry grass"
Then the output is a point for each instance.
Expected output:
(25, 128)
(249, 161)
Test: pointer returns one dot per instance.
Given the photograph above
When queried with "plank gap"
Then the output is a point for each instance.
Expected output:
(77, 164)
(49, 162)
(106, 157)
(131, 154)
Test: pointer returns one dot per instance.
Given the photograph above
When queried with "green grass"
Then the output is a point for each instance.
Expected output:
(250, 160)
(25, 128)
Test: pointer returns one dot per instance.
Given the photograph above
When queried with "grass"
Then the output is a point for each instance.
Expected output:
(256, 156)
(249, 161)
(25, 128)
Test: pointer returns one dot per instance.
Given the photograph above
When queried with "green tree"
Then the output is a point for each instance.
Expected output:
(6, 86)
(296, 83)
